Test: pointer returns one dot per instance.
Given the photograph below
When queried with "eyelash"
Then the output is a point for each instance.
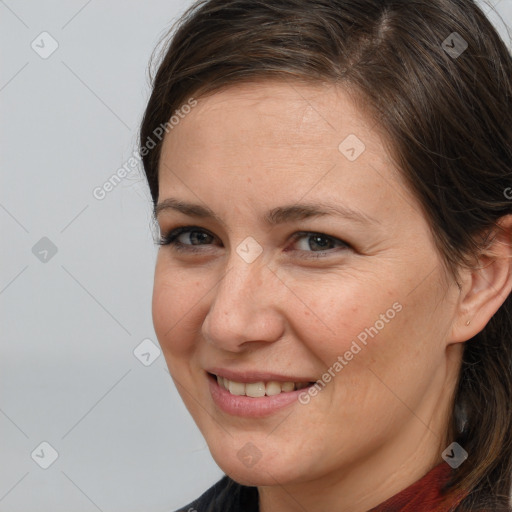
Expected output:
(170, 239)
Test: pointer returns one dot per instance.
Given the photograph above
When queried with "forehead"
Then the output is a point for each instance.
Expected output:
(284, 139)
(291, 113)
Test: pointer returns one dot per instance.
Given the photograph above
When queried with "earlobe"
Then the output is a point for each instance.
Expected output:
(487, 285)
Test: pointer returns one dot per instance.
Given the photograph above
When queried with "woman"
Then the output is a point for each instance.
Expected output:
(331, 293)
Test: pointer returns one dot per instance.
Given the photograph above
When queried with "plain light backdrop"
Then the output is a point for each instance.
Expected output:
(80, 368)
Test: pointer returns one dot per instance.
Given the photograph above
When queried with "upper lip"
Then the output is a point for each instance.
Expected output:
(248, 376)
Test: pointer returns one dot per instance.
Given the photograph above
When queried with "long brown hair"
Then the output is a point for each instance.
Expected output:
(437, 78)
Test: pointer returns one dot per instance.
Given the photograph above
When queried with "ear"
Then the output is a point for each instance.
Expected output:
(485, 286)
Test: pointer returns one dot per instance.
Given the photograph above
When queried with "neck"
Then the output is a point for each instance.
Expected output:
(358, 489)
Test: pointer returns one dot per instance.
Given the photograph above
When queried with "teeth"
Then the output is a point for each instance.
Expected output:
(236, 388)
(259, 389)
(288, 386)
(274, 388)
(255, 389)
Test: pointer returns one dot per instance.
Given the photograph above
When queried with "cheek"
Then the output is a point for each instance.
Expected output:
(340, 313)
(363, 332)
(176, 303)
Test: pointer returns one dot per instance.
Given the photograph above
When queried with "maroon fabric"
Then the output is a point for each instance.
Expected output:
(424, 495)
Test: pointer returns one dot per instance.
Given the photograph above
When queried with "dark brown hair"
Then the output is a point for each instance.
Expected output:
(448, 120)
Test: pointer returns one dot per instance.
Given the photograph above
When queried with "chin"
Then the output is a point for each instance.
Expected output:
(259, 475)
(248, 466)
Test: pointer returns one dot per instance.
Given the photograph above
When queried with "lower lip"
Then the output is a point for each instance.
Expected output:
(247, 406)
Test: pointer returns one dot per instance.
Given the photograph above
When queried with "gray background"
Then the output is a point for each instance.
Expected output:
(70, 321)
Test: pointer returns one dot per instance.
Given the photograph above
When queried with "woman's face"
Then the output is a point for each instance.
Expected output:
(305, 259)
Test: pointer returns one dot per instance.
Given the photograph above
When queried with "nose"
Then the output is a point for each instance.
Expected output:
(245, 307)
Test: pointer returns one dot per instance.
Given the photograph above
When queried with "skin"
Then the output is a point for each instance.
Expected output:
(382, 422)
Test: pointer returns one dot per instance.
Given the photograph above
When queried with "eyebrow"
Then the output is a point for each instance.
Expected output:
(278, 215)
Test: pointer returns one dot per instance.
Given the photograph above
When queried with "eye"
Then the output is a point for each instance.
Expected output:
(186, 238)
(317, 243)
(189, 238)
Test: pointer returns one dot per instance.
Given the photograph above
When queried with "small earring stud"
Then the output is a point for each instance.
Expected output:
(468, 322)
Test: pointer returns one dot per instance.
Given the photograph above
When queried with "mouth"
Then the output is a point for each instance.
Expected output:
(255, 399)
(260, 388)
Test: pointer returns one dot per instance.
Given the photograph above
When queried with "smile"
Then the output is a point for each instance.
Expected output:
(256, 399)
(259, 389)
